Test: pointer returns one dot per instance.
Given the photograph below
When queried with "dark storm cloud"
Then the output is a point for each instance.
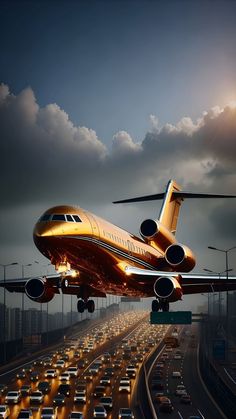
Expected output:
(46, 159)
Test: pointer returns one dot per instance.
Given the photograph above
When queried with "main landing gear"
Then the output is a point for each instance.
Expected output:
(160, 305)
(85, 305)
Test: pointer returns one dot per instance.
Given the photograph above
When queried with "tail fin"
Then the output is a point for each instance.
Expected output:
(170, 207)
(172, 199)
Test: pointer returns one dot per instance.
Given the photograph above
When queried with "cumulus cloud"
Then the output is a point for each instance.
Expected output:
(46, 159)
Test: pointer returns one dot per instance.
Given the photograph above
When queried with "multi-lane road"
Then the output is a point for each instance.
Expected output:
(136, 350)
(128, 337)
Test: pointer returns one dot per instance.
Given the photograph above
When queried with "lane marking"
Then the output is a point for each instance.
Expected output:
(181, 417)
(230, 377)
(200, 413)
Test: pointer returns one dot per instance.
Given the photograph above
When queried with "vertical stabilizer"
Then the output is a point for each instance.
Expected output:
(170, 208)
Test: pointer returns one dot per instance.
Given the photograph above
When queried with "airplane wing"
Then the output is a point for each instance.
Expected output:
(191, 283)
(68, 284)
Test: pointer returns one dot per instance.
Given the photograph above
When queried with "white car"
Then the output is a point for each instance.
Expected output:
(72, 371)
(124, 385)
(4, 411)
(176, 374)
(180, 390)
(13, 397)
(60, 363)
(99, 411)
(80, 396)
(65, 376)
(36, 397)
(50, 373)
(177, 356)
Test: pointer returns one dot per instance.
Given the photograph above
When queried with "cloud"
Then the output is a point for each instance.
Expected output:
(47, 160)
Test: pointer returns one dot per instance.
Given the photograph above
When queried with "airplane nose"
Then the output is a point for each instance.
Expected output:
(42, 230)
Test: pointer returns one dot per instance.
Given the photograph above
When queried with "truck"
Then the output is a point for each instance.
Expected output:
(171, 341)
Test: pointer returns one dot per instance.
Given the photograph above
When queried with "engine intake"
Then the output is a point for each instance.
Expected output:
(180, 256)
(168, 288)
(156, 234)
(38, 289)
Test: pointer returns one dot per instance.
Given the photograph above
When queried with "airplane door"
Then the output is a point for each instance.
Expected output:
(94, 225)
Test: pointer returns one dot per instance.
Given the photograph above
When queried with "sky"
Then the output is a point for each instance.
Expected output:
(103, 100)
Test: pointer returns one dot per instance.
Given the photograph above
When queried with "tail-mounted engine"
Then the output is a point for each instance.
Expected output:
(180, 257)
(155, 233)
(38, 289)
(168, 288)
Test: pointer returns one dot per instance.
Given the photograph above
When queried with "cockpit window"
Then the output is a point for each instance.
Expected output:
(77, 219)
(58, 217)
(69, 218)
(45, 217)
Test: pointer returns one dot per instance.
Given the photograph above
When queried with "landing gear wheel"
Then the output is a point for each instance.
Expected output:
(155, 305)
(90, 306)
(165, 306)
(80, 306)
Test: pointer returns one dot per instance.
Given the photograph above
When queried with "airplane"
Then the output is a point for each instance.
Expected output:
(94, 257)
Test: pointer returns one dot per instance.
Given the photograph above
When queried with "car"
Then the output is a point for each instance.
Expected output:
(38, 362)
(124, 385)
(94, 369)
(25, 414)
(99, 391)
(28, 368)
(44, 387)
(105, 380)
(107, 402)
(80, 396)
(185, 399)
(21, 375)
(176, 374)
(177, 356)
(76, 415)
(49, 413)
(13, 397)
(72, 371)
(88, 376)
(157, 384)
(60, 363)
(4, 411)
(160, 397)
(109, 371)
(59, 400)
(166, 406)
(64, 389)
(52, 373)
(99, 411)
(180, 390)
(64, 376)
(25, 390)
(36, 397)
(34, 376)
(125, 413)
(3, 389)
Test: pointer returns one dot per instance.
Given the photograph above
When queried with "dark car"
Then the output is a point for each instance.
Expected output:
(166, 406)
(59, 400)
(44, 386)
(34, 376)
(25, 414)
(107, 402)
(64, 389)
(21, 375)
(3, 388)
(99, 391)
(25, 390)
(157, 385)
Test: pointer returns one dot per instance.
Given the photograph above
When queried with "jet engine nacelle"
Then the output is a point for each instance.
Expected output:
(168, 288)
(38, 289)
(180, 257)
(154, 232)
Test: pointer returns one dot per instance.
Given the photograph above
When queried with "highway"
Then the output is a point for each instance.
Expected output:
(126, 331)
(182, 360)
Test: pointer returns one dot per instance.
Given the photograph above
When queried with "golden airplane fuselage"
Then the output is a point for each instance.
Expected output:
(98, 250)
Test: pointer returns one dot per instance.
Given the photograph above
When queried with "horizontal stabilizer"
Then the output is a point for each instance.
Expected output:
(175, 195)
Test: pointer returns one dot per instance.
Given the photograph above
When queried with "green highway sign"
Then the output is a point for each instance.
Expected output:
(171, 317)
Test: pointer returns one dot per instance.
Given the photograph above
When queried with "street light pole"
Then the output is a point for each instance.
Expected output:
(4, 266)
